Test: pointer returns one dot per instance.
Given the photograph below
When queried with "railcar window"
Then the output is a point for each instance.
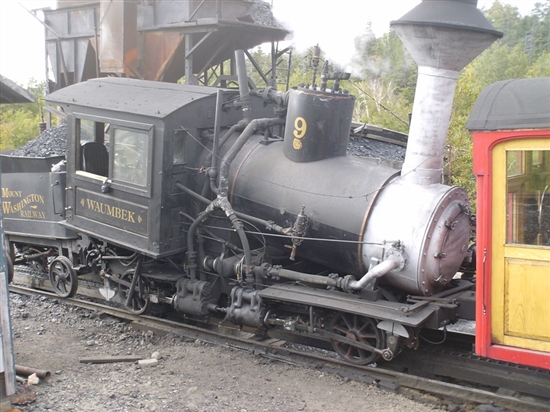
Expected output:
(131, 150)
(514, 163)
(528, 197)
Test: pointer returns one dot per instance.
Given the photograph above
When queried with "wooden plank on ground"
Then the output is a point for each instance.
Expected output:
(110, 359)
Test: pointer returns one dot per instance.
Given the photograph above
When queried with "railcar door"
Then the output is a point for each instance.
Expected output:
(521, 244)
(111, 181)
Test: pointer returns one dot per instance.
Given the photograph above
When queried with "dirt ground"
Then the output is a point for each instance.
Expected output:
(190, 375)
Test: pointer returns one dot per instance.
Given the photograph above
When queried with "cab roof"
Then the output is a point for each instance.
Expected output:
(141, 97)
(512, 104)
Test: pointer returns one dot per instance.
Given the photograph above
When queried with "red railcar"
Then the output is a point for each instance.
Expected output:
(510, 123)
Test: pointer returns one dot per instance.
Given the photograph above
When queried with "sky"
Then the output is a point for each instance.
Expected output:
(331, 24)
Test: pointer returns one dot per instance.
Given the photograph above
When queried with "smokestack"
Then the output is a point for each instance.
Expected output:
(443, 36)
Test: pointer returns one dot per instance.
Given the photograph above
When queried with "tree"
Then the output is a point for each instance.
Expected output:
(377, 103)
(537, 40)
(506, 18)
(19, 122)
(540, 67)
(458, 160)
(386, 59)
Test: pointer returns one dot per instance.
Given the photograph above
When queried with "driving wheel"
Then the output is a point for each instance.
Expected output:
(63, 277)
(354, 328)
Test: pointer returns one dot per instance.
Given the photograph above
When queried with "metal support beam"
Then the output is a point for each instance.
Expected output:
(189, 76)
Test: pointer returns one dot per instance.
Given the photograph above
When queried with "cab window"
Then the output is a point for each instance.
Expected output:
(119, 152)
(131, 154)
(178, 151)
(92, 155)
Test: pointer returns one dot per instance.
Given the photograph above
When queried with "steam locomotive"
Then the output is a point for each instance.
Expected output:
(243, 204)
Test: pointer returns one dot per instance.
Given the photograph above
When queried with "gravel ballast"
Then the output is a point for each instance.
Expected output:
(189, 375)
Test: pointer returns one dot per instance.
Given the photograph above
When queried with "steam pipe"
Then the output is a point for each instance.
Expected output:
(223, 189)
(347, 283)
(243, 84)
(132, 289)
(222, 202)
(275, 272)
(304, 277)
(213, 171)
(375, 272)
(191, 254)
(267, 223)
(396, 259)
(238, 145)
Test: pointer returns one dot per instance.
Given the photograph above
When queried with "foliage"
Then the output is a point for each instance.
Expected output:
(387, 60)
(19, 122)
(540, 66)
(378, 103)
(390, 73)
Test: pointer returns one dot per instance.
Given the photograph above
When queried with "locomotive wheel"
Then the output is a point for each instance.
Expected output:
(359, 329)
(138, 306)
(63, 277)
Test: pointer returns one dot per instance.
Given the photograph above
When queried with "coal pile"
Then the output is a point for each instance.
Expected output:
(364, 147)
(51, 142)
(259, 12)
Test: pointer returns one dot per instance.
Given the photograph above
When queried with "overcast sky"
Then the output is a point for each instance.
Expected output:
(332, 24)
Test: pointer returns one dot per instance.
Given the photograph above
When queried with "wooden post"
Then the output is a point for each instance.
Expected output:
(7, 364)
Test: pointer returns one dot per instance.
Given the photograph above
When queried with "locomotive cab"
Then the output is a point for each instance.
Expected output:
(128, 145)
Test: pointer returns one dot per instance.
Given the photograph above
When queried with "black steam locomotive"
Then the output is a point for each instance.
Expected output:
(244, 203)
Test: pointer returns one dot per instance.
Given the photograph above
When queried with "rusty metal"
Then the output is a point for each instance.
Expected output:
(28, 371)
(153, 40)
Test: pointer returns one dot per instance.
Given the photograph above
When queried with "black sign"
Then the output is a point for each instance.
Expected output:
(124, 215)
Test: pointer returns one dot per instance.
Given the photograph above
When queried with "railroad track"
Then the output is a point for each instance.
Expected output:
(403, 372)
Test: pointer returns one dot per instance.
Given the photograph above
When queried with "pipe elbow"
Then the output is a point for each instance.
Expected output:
(376, 272)
(395, 258)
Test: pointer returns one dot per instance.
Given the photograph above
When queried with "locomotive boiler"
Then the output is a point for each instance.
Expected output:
(244, 203)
